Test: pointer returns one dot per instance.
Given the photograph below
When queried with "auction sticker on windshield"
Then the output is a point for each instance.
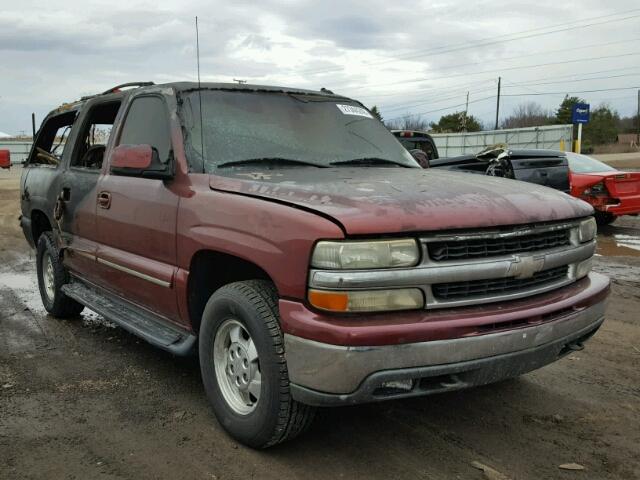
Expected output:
(353, 110)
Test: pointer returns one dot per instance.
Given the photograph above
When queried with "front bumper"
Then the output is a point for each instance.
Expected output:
(327, 374)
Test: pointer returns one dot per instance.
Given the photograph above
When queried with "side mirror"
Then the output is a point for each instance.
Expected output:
(139, 161)
(5, 159)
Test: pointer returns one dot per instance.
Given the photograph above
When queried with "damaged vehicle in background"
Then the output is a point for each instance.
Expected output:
(288, 239)
(542, 167)
(611, 192)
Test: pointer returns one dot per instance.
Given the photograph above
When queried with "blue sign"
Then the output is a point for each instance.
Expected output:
(580, 113)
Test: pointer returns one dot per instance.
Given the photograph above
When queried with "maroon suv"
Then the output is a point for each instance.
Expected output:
(288, 238)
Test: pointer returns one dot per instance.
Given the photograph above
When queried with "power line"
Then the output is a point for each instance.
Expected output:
(515, 95)
(568, 92)
(435, 89)
(431, 93)
(574, 80)
(495, 71)
(546, 52)
(493, 40)
(448, 108)
(580, 74)
(430, 100)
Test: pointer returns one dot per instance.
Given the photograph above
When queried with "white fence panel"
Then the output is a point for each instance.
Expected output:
(551, 137)
(19, 150)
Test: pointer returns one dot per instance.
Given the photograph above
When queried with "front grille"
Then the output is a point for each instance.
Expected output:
(493, 247)
(497, 286)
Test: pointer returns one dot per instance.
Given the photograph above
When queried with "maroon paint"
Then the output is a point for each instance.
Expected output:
(157, 228)
(422, 325)
(135, 157)
(276, 237)
(397, 200)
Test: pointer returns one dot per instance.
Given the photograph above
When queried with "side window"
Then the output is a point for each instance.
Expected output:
(147, 123)
(52, 140)
(92, 141)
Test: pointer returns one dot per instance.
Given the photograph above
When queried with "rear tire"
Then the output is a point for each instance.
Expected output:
(604, 218)
(241, 344)
(52, 275)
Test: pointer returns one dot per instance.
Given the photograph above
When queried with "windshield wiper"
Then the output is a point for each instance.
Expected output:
(367, 161)
(269, 161)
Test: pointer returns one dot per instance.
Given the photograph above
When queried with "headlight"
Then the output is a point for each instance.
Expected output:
(370, 254)
(583, 268)
(587, 230)
(367, 300)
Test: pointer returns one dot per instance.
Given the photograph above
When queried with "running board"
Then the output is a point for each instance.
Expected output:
(143, 323)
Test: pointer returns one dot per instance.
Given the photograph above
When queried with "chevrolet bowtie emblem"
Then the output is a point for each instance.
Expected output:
(526, 267)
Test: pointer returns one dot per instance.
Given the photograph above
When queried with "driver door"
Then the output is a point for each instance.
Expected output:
(136, 216)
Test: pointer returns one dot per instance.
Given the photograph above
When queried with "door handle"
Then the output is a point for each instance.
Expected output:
(104, 200)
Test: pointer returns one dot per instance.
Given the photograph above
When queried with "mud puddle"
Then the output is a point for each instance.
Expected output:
(24, 284)
(614, 241)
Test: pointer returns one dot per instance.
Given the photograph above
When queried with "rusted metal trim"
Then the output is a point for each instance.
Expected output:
(134, 273)
(82, 253)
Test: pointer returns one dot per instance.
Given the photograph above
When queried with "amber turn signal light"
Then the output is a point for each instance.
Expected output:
(333, 301)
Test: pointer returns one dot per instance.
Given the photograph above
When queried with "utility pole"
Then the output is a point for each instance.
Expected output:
(498, 102)
(638, 121)
(33, 126)
(466, 111)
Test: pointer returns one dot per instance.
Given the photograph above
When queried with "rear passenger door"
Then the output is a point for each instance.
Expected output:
(80, 180)
(136, 217)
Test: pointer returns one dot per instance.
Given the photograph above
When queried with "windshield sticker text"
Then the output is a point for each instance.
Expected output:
(353, 110)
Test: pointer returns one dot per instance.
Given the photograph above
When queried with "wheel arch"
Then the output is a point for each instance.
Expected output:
(40, 223)
(210, 270)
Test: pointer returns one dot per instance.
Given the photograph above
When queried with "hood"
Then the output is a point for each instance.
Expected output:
(394, 200)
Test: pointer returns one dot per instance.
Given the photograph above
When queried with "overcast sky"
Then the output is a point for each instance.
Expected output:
(404, 56)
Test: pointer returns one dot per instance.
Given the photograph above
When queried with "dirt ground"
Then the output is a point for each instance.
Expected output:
(83, 399)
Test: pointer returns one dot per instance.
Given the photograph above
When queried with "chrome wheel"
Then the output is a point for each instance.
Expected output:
(48, 276)
(237, 367)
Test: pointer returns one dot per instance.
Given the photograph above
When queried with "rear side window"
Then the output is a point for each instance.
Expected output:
(147, 123)
(52, 139)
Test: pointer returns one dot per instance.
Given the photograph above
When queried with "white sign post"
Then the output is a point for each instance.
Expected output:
(579, 145)
(579, 115)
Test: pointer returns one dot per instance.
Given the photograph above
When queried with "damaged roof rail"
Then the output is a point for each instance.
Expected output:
(124, 85)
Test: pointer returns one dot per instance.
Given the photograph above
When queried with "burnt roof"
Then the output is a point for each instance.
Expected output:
(194, 86)
(191, 86)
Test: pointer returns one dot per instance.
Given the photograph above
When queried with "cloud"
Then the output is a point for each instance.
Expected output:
(399, 55)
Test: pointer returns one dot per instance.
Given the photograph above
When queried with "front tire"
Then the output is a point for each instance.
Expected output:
(604, 218)
(52, 275)
(243, 366)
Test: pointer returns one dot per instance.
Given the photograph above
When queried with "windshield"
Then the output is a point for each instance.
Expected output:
(301, 130)
(582, 164)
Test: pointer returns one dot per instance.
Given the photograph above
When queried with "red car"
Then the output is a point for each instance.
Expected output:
(611, 192)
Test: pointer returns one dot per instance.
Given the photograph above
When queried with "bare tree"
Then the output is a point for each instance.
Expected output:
(530, 114)
(408, 122)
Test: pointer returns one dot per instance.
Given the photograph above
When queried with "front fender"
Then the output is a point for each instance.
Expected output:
(276, 237)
